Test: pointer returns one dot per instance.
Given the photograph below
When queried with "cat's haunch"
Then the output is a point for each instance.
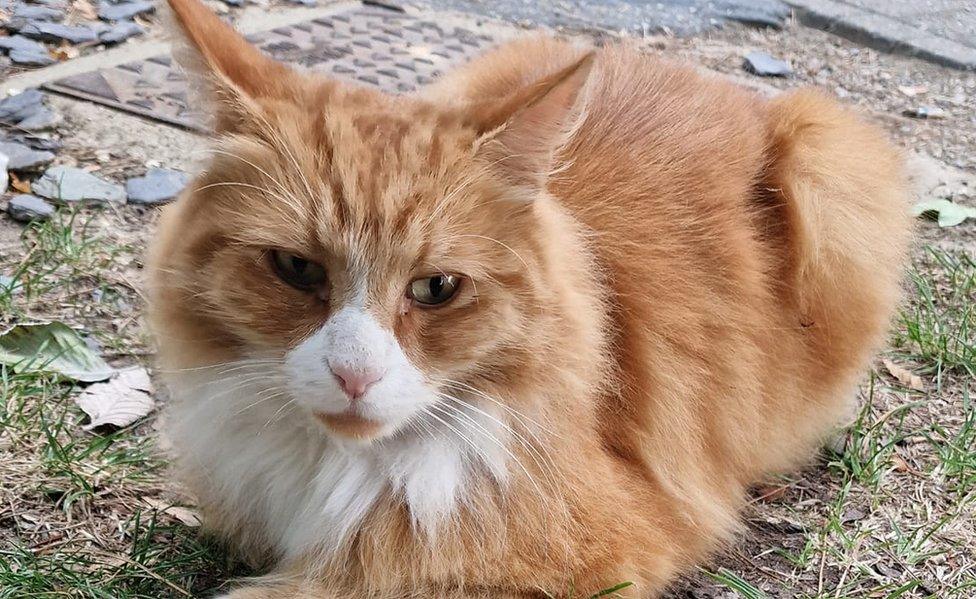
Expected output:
(533, 329)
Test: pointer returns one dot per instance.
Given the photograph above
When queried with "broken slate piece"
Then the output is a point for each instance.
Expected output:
(68, 184)
(764, 65)
(55, 32)
(158, 186)
(120, 32)
(123, 10)
(234, 2)
(30, 58)
(19, 107)
(23, 158)
(25, 14)
(19, 42)
(44, 118)
(4, 178)
(925, 112)
(25, 208)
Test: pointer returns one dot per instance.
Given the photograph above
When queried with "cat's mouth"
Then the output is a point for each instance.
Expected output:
(350, 424)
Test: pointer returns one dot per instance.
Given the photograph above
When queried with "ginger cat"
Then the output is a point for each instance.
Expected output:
(534, 329)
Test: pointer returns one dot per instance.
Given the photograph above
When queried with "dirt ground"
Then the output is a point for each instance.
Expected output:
(885, 511)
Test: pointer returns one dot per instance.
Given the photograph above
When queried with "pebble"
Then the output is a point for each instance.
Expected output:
(9, 285)
(26, 13)
(23, 158)
(120, 32)
(44, 118)
(25, 208)
(55, 32)
(124, 10)
(19, 42)
(158, 186)
(234, 2)
(764, 65)
(13, 109)
(4, 177)
(69, 184)
(925, 112)
(30, 58)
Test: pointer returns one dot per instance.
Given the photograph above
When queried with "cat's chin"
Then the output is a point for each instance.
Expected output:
(350, 425)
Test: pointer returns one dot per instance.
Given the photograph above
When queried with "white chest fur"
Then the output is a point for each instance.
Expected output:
(266, 459)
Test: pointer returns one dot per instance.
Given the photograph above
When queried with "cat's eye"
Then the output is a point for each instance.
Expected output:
(300, 273)
(435, 290)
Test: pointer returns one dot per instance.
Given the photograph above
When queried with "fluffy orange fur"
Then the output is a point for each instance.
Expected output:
(682, 281)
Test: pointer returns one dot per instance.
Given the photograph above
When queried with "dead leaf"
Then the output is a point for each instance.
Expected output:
(905, 377)
(120, 401)
(21, 185)
(185, 515)
(85, 9)
(912, 90)
(64, 52)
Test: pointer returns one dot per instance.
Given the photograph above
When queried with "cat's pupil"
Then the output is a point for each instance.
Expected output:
(299, 264)
(436, 286)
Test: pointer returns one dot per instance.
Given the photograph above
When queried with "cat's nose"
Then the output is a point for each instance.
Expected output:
(355, 381)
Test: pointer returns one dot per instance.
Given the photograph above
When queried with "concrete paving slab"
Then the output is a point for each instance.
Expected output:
(945, 35)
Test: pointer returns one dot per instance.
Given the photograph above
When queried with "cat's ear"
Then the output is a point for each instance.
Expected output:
(233, 76)
(521, 132)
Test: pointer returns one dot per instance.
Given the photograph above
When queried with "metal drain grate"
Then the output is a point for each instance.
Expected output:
(369, 44)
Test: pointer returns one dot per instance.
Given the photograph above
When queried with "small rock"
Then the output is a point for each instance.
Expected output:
(30, 58)
(158, 186)
(18, 107)
(45, 118)
(23, 158)
(19, 42)
(925, 112)
(25, 208)
(25, 14)
(8, 285)
(234, 2)
(4, 178)
(120, 32)
(764, 65)
(305, 2)
(61, 5)
(123, 10)
(38, 142)
(69, 184)
(55, 32)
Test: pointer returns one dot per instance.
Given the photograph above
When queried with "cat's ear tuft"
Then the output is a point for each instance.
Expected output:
(233, 75)
(522, 131)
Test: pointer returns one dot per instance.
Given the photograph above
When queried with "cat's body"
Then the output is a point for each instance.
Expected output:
(687, 307)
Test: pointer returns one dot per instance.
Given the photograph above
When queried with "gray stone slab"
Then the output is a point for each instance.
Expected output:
(56, 32)
(24, 158)
(67, 184)
(123, 10)
(120, 32)
(19, 42)
(26, 208)
(887, 32)
(158, 186)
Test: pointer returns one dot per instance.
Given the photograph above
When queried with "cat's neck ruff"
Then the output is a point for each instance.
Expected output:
(272, 464)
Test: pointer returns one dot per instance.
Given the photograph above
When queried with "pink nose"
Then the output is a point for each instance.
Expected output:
(355, 381)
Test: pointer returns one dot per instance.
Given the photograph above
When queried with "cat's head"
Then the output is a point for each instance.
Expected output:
(376, 252)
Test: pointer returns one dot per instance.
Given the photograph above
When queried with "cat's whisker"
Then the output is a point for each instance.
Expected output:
(263, 396)
(541, 458)
(493, 240)
(471, 424)
(272, 420)
(516, 413)
(273, 194)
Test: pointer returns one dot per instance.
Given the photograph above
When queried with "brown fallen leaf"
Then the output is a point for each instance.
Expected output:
(21, 185)
(64, 52)
(119, 401)
(185, 515)
(85, 9)
(905, 377)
